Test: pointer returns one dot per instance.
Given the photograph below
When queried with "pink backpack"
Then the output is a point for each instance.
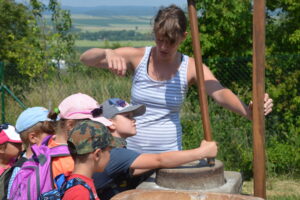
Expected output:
(35, 176)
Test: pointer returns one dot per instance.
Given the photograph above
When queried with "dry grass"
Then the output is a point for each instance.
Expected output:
(277, 188)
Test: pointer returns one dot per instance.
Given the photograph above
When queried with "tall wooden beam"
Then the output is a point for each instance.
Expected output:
(199, 70)
(258, 98)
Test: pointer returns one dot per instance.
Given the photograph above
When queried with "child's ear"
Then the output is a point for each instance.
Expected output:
(2, 148)
(97, 154)
(70, 124)
(33, 138)
(112, 127)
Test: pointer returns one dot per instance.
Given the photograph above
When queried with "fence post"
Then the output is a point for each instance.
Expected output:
(4, 88)
(259, 171)
(2, 92)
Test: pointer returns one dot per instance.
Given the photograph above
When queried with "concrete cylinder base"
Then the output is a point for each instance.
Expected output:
(196, 177)
(138, 194)
(192, 176)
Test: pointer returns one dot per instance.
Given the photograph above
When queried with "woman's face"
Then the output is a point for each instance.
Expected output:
(165, 48)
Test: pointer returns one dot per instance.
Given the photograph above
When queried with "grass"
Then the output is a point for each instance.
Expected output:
(280, 188)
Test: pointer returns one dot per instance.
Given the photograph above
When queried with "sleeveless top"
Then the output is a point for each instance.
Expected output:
(159, 129)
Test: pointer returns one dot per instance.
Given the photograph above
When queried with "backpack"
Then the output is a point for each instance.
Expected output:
(35, 176)
(5, 177)
(58, 193)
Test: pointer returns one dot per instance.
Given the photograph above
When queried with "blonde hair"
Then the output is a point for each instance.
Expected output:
(170, 23)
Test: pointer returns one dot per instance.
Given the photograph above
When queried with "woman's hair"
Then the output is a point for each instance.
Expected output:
(170, 23)
(39, 128)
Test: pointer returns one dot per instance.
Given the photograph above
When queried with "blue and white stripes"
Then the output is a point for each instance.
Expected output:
(159, 129)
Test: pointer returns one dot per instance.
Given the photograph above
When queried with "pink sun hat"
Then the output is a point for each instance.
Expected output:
(8, 134)
(82, 106)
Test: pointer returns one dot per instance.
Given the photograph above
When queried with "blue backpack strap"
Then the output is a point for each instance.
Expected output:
(73, 182)
(59, 180)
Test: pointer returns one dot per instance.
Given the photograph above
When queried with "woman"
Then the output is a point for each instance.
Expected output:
(161, 79)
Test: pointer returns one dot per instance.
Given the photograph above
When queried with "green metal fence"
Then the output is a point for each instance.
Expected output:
(4, 89)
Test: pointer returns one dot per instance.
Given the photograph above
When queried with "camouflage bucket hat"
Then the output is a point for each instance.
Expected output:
(88, 136)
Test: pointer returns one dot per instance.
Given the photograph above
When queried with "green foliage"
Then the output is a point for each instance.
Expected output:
(284, 27)
(225, 28)
(19, 45)
(27, 46)
(232, 132)
(28, 43)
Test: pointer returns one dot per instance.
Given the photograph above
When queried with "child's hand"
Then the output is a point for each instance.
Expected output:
(116, 63)
(209, 149)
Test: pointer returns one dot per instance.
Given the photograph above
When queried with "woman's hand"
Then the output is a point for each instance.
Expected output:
(116, 63)
(268, 105)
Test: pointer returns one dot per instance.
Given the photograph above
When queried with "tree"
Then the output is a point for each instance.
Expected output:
(226, 31)
(284, 26)
(225, 28)
(20, 48)
(28, 44)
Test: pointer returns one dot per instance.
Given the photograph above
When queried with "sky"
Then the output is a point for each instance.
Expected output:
(92, 3)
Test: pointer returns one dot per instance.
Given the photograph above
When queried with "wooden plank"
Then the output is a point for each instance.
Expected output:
(258, 98)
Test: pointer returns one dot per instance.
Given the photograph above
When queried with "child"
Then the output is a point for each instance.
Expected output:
(78, 107)
(124, 163)
(10, 146)
(70, 111)
(33, 125)
(89, 146)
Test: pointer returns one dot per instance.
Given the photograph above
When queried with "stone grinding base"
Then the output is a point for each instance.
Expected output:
(197, 177)
(139, 194)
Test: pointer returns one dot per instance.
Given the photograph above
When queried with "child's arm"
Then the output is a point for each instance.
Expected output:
(147, 162)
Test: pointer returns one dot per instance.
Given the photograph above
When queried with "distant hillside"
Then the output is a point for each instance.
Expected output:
(114, 10)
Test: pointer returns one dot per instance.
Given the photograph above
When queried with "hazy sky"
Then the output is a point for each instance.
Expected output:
(91, 3)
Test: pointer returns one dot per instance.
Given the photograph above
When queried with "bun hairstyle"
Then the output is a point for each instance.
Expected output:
(61, 123)
(170, 23)
(53, 114)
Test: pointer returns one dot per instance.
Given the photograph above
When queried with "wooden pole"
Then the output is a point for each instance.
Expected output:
(199, 70)
(258, 98)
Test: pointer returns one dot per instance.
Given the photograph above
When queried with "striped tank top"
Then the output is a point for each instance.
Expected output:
(159, 129)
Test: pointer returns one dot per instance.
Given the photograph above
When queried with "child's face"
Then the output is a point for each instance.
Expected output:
(12, 150)
(105, 156)
(125, 124)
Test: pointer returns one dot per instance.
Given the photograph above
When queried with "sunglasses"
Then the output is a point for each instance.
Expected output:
(97, 111)
(117, 102)
(3, 126)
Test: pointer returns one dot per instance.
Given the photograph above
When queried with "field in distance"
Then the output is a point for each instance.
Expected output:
(83, 45)
(112, 23)
(89, 23)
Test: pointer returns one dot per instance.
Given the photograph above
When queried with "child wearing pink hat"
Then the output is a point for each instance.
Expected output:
(71, 110)
(10, 146)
